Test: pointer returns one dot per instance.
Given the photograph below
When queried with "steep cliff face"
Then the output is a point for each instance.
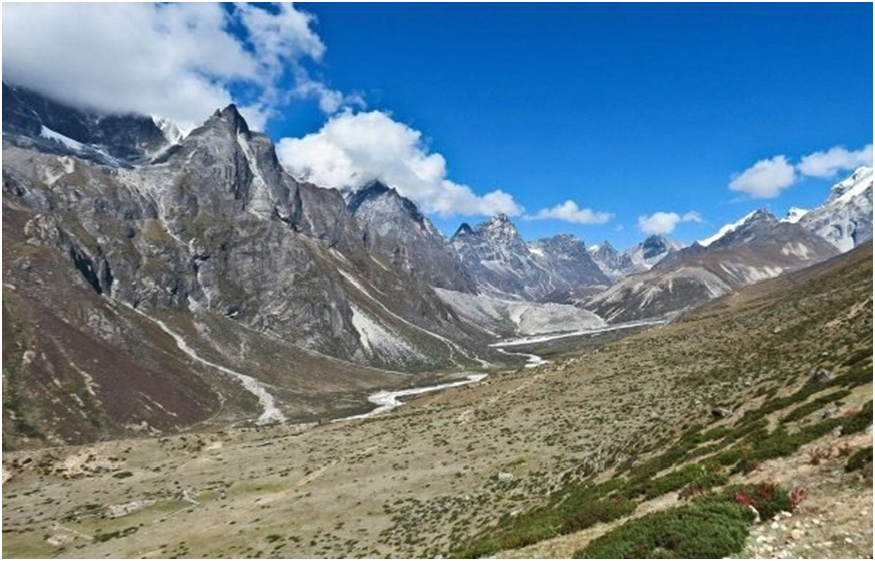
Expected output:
(403, 235)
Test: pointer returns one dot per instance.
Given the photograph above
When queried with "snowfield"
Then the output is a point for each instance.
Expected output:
(536, 360)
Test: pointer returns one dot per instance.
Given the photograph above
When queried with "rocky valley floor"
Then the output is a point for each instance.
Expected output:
(484, 469)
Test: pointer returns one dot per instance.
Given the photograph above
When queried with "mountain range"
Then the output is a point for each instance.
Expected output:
(164, 280)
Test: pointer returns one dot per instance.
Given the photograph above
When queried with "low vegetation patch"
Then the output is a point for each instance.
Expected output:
(694, 476)
(859, 421)
(712, 527)
(859, 459)
(703, 529)
(575, 507)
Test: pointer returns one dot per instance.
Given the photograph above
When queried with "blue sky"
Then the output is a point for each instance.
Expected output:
(624, 109)
(701, 112)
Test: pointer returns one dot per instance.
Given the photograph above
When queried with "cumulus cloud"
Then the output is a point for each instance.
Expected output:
(180, 61)
(570, 212)
(665, 222)
(765, 179)
(354, 149)
(828, 164)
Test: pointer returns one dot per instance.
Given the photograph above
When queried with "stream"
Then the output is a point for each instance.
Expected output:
(387, 400)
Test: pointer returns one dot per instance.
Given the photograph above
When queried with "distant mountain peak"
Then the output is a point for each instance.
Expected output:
(854, 184)
(845, 219)
(463, 230)
(794, 215)
(171, 131)
(379, 190)
(757, 215)
(760, 214)
(499, 225)
(230, 115)
(31, 118)
(655, 247)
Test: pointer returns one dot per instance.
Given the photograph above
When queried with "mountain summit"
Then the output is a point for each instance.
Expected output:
(845, 219)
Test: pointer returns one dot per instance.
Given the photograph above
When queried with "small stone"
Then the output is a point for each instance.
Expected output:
(849, 540)
(821, 375)
(720, 412)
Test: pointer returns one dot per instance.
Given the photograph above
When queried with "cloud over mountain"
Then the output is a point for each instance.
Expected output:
(180, 61)
(665, 222)
(570, 212)
(767, 178)
(354, 149)
(828, 164)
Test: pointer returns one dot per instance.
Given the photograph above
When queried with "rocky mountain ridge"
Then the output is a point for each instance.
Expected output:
(504, 265)
(756, 248)
(31, 119)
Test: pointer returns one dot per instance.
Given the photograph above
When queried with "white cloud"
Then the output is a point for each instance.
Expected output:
(765, 179)
(665, 222)
(828, 164)
(569, 212)
(179, 61)
(354, 149)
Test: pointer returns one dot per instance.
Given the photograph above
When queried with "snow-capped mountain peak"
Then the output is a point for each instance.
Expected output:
(854, 185)
(845, 219)
(795, 214)
(728, 228)
(169, 129)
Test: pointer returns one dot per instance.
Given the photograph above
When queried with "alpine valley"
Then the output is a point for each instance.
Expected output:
(175, 304)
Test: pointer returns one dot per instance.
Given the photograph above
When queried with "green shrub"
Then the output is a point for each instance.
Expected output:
(781, 443)
(863, 355)
(859, 459)
(767, 498)
(699, 475)
(859, 421)
(704, 529)
(604, 510)
(574, 507)
(807, 409)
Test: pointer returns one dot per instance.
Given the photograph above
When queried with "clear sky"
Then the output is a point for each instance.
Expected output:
(627, 109)
(609, 121)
